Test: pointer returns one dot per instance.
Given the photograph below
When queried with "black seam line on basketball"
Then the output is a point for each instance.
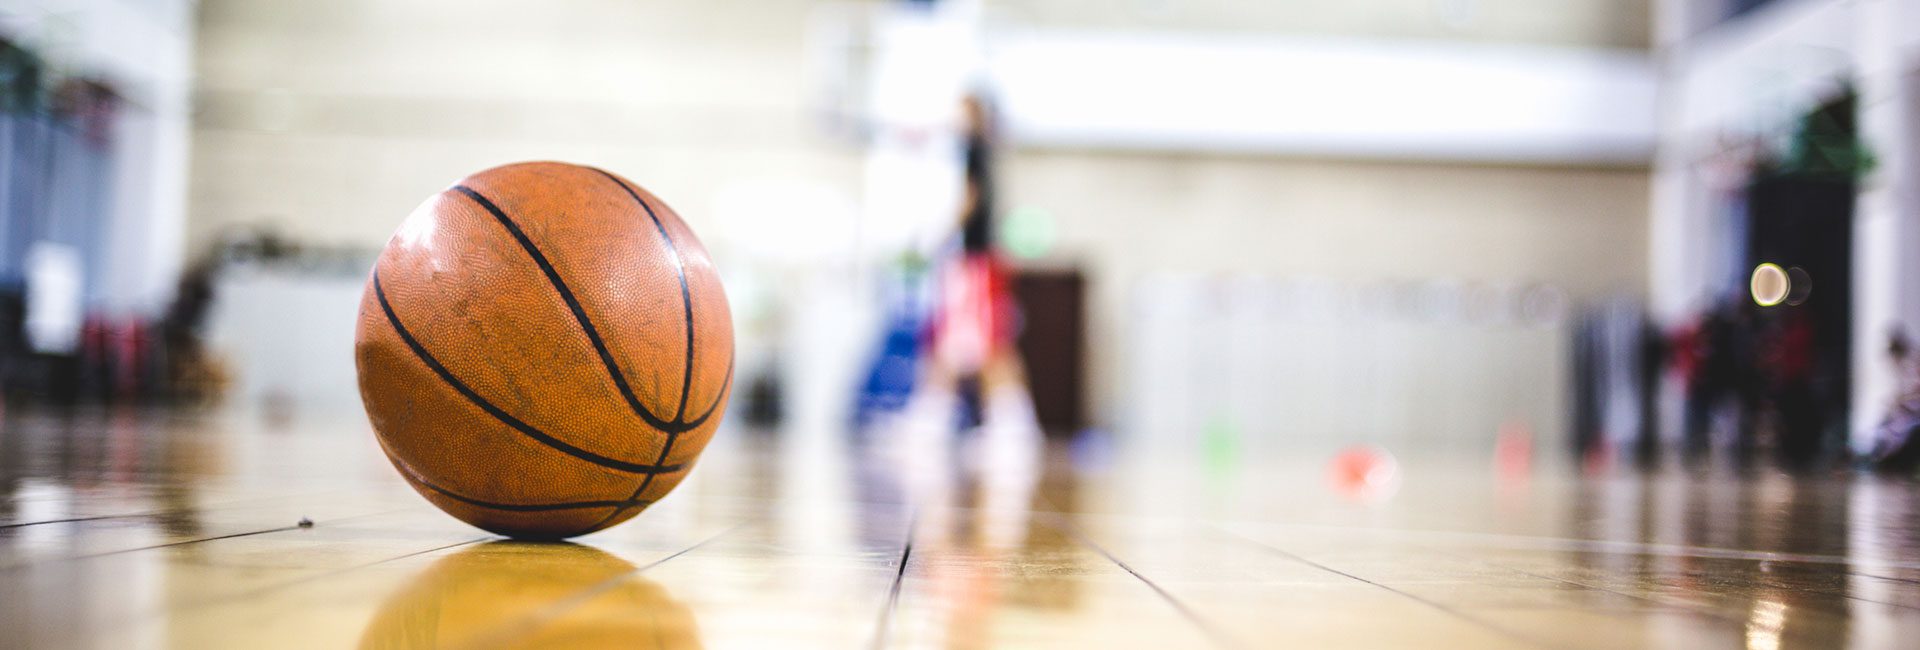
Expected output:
(666, 447)
(446, 375)
(645, 482)
(686, 380)
(686, 294)
(529, 507)
(510, 507)
(725, 385)
(579, 313)
(679, 423)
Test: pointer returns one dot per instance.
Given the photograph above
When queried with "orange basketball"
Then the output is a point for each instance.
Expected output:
(544, 349)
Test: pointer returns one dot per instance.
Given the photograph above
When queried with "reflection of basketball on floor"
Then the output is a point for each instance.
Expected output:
(517, 594)
(544, 349)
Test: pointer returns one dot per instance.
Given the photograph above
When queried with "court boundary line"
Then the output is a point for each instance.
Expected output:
(1760, 583)
(288, 584)
(1437, 606)
(884, 628)
(1207, 628)
(1549, 543)
(218, 601)
(185, 542)
(238, 504)
(561, 606)
(241, 504)
(1703, 609)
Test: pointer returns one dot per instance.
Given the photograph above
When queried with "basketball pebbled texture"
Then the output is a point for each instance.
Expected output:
(544, 349)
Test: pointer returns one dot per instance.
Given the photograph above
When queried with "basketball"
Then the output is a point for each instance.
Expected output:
(544, 349)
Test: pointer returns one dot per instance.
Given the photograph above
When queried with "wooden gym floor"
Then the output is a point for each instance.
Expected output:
(150, 529)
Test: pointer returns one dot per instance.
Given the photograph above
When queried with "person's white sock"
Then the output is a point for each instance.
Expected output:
(1010, 408)
(1010, 439)
(930, 412)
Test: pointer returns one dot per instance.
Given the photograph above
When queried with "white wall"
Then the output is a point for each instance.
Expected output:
(1125, 217)
(329, 120)
(1581, 23)
(1887, 226)
(1324, 96)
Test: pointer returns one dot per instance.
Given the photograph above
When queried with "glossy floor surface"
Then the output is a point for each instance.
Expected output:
(155, 529)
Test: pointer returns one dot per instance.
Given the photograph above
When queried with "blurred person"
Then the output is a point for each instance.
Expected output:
(1726, 385)
(1647, 373)
(1906, 364)
(1744, 375)
(895, 365)
(972, 353)
(193, 375)
(1786, 361)
(13, 338)
(1710, 382)
(1896, 447)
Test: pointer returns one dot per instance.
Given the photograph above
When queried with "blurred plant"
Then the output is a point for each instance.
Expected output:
(1826, 144)
(20, 72)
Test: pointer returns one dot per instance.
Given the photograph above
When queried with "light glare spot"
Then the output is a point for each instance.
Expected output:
(1769, 284)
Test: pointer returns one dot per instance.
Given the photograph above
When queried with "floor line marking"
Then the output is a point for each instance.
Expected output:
(1831, 594)
(130, 515)
(1886, 578)
(893, 592)
(510, 630)
(1786, 587)
(1537, 542)
(1213, 633)
(184, 542)
(264, 589)
(235, 505)
(1664, 601)
(1437, 606)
